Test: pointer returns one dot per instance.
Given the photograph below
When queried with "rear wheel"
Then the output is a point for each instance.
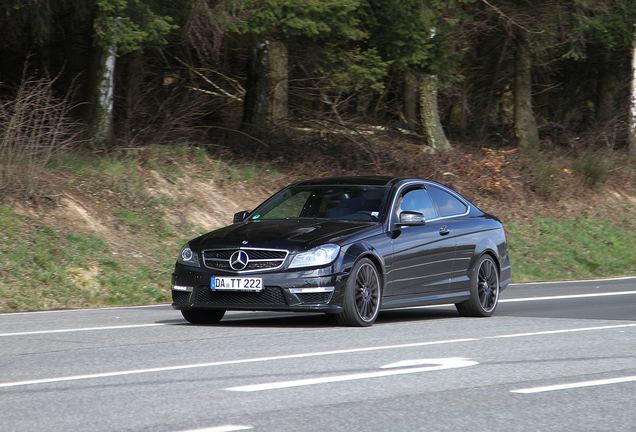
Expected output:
(203, 316)
(484, 289)
(362, 295)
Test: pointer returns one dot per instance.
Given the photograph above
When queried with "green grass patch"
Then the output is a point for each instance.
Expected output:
(549, 249)
(43, 269)
(146, 220)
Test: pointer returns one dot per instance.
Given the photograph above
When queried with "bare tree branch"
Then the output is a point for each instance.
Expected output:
(207, 80)
(509, 19)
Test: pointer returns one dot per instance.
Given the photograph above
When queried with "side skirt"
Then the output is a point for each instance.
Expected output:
(435, 299)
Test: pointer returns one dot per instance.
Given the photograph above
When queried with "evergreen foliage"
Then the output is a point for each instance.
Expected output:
(414, 35)
(348, 59)
(131, 23)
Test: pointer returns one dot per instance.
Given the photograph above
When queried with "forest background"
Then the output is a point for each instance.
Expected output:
(129, 126)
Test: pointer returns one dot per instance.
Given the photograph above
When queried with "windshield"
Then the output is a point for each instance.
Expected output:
(360, 203)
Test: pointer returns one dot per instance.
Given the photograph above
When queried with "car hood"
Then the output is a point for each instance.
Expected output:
(288, 234)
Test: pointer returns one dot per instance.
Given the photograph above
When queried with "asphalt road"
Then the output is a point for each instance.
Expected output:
(555, 357)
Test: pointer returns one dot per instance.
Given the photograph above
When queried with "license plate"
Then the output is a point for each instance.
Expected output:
(236, 284)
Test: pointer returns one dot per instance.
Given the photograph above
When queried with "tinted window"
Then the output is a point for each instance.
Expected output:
(326, 202)
(417, 200)
(291, 206)
(447, 204)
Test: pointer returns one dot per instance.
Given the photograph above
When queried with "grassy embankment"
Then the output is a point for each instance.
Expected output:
(46, 266)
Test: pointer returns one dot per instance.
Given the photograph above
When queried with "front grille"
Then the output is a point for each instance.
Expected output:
(180, 296)
(258, 259)
(268, 297)
(315, 298)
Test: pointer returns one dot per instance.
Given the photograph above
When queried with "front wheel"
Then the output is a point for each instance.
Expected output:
(203, 316)
(362, 295)
(484, 289)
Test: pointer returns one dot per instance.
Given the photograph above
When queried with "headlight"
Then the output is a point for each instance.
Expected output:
(188, 257)
(320, 255)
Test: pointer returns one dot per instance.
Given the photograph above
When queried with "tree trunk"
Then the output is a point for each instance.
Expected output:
(430, 115)
(410, 99)
(101, 131)
(632, 109)
(457, 123)
(491, 91)
(257, 90)
(525, 125)
(278, 81)
(606, 89)
(133, 80)
(100, 124)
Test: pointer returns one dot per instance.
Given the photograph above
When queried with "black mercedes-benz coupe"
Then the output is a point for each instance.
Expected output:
(348, 246)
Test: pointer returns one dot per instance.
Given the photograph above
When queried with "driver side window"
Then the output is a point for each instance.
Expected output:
(416, 200)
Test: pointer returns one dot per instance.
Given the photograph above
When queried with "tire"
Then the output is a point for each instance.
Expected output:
(203, 316)
(484, 289)
(362, 296)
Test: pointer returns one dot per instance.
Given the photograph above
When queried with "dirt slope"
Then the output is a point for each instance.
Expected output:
(191, 204)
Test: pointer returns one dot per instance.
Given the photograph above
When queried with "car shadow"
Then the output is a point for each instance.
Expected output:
(316, 320)
(415, 314)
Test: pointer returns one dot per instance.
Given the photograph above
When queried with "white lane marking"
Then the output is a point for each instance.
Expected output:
(575, 385)
(420, 362)
(80, 329)
(443, 363)
(570, 296)
(10, 314)
(574, 281)
(525, 299)
(226, 428)
(528, 299)
(225, 363)
(303, 355)
(550, 332)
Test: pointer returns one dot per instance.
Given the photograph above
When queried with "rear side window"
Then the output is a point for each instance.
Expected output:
(447, 204)
(417, 200)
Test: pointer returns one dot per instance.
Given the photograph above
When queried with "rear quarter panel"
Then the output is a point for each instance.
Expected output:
(476, 236)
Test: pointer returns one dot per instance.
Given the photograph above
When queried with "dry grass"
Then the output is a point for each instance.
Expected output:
(34, 127)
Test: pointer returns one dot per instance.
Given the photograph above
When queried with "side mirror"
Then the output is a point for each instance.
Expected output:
(240, 216)
(412, 218)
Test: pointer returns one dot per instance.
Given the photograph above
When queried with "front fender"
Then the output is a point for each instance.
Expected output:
(359, 250)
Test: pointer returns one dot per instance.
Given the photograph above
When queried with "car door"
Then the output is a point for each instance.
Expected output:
(453, 212)
(422, 253)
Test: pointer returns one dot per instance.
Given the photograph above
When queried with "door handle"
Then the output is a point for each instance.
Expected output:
(444, 230)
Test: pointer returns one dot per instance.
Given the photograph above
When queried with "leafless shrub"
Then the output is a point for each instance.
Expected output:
(163, 115)
(203, 32)
(34, 126)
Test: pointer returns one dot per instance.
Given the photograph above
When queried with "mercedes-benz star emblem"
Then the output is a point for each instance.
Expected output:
(239, 260)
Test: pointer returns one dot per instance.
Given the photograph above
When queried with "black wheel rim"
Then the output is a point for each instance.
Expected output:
(367, 292)
(488, 285)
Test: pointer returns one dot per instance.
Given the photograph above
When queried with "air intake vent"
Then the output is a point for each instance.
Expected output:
(270, 297)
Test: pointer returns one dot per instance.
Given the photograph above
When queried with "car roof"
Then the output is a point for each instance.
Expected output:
(352, 181)
(371, 180)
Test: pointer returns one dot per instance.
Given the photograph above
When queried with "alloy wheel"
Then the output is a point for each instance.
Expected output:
(488, 285)
(367, 291)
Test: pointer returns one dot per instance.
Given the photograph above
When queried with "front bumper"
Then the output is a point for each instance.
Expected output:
(317, 290)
